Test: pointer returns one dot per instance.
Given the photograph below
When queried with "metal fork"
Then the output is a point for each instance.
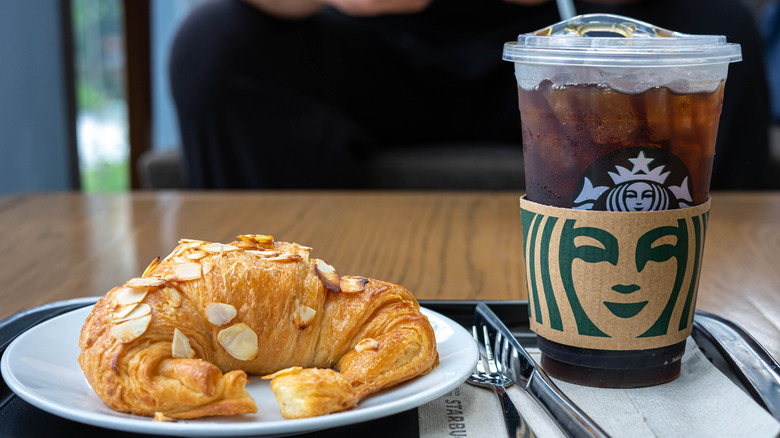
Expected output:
(489, 374)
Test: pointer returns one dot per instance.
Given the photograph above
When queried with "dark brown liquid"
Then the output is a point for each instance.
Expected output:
(611, 369)
(565, 129)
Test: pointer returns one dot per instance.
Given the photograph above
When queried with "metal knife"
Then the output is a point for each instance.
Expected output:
(524, 371)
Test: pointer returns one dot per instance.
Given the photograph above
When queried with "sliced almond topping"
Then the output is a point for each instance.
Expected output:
(307, 314)
(263, 253)
(327, 273)
(176, 251)
(246, 245)
(129, 330)
(180, 347)
(123, 311)
(283, 372)
(304, 248)
(138, 311)
(353, 284)
(130, 295)
(261, 239)
(207, 267)
(240, 341)
(197, 255)
(285, 258)
(192, 245)
(145, 282)
(178, 260)
(174, 297)
(218, 247)
(210, 247)
(303, 315)
(220, 313)
(151, 266)
(367, 344)
(186, 271)
(183, 248)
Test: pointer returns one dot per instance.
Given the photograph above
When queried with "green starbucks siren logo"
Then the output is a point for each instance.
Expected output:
(612, 280)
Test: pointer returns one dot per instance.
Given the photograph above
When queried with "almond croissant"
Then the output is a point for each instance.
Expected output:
(179, 341)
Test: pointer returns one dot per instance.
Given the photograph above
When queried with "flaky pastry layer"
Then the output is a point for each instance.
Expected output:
(179, 341)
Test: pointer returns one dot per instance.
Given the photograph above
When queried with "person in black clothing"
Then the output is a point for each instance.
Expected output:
(292, 94)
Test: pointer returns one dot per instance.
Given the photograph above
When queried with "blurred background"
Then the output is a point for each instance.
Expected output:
(80, 82)
(85, 103)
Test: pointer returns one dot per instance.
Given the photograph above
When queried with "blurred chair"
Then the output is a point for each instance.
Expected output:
(162, 170)
(433, 167)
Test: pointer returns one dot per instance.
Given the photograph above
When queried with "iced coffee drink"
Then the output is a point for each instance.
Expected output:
(567, 128)
(619, 123)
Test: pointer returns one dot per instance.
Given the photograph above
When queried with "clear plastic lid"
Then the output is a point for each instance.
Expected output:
(606, 40)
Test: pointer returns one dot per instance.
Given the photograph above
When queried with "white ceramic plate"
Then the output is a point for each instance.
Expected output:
(40, 366)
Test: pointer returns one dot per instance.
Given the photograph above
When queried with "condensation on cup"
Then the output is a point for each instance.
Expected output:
(618, 117)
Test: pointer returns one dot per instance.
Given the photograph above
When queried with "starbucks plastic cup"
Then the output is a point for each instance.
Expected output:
(619, 122)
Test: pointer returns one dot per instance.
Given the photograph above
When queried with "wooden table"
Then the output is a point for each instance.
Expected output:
(440, 245)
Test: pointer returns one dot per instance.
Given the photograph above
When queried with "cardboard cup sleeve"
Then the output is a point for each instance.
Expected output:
(612, 280)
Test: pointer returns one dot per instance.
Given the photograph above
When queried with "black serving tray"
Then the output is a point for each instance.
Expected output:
(732, 350)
